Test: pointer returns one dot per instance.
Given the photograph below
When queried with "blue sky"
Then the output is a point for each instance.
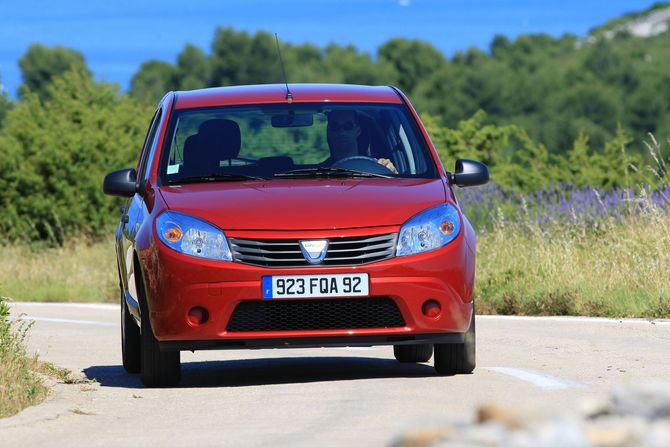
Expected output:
(117, 36)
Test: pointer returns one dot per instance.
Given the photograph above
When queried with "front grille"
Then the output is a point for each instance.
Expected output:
(302, 314)
(342, 251)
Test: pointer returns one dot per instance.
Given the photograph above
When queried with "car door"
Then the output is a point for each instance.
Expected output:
(133, 216)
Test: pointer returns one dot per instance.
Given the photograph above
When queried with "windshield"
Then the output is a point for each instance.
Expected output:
(294, 141)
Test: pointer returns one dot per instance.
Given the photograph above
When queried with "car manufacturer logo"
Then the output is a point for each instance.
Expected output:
(314, 251)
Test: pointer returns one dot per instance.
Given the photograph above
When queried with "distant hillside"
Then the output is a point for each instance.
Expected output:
(650, 22)
(564, 91)
(558, 89)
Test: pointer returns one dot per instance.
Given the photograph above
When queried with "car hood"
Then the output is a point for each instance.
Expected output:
(305, 204)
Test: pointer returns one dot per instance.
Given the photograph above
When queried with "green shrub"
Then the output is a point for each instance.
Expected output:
(55, 153)
(19, 386)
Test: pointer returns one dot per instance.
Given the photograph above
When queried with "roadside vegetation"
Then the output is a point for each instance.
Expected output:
(575, 251)
(79, 270)
(615, 268)
(19, 385)
(574, 222)
(564, 250)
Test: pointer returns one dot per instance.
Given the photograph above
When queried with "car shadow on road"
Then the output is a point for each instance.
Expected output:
(270, 371)
(113, 376)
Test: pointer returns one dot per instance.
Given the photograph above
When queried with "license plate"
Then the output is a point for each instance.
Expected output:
(312, 286)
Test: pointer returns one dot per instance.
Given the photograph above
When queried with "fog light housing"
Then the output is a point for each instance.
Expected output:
(431, 309)
(197, 316)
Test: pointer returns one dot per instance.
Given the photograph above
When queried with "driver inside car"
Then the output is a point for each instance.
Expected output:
(343, 132)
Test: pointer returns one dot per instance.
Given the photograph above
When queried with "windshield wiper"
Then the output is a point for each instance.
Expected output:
(328, 171)
(214, 178)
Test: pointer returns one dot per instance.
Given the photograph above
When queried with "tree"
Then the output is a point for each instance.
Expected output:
(40, 64)
(553, 88)
(579, 166)
(262, 66)
(153, 80)
(56, 152)
(238, 58)
(192, 70)
(515, 160)
(591, 107)
(413, 60)
(5, 104)
(500, 46)
(471, 138)
(303, 63)
(229, 53)
(443, 96)
(616, 165)
(608, 64)
(645, 106)
(346, 64)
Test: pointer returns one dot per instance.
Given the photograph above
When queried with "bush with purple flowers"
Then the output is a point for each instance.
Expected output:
(569, 205)
(573, 250)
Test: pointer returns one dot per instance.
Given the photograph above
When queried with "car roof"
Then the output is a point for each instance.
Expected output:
(276, 93)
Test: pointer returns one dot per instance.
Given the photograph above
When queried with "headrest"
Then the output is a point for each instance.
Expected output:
(223, 135)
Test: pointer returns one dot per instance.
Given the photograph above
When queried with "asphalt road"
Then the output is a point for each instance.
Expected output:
(343, 396)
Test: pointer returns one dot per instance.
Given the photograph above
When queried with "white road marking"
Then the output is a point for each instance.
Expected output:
(96, 306)
(115, 307)
(359, 348)
(574, 319)
(537, 378)
(544, 381)
(64, 320)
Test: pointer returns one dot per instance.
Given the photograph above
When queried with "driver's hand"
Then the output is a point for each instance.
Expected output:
(387, 164)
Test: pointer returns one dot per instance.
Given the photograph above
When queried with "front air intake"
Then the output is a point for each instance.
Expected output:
(315, 314)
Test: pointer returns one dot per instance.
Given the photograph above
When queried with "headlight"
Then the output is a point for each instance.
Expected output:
(192, 236)
(429, 230)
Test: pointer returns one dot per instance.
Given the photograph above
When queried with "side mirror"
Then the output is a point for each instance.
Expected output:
(469, 173)
(120, 183)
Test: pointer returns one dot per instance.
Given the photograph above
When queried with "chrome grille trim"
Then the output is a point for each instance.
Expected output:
(342, 251)
(383, 237)
(370, 247)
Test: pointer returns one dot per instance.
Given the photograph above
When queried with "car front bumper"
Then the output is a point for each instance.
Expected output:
(176, 283)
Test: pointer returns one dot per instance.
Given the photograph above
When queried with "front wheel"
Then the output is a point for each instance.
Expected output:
(413, 353)
(457, 358)
(159, 369)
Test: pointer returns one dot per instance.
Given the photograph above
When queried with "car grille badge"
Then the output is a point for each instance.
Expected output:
(314, 251)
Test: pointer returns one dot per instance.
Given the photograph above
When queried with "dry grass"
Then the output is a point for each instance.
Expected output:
(20, 387)
(615, 270)
(78, 271)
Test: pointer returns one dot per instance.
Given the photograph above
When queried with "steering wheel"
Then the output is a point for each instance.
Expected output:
(363, 164)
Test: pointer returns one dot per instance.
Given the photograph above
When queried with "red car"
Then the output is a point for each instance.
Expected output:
(310, 215)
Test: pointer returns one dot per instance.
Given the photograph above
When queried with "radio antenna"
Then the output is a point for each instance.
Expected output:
(289, 95)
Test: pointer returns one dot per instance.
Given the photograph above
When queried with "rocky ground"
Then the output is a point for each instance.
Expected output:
(630, 417)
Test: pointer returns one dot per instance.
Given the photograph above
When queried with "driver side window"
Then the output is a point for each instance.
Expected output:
(149, 147)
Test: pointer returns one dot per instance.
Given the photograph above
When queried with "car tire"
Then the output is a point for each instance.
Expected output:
(457, 358)
(130, 340)
(159, 369)
(413, 353)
